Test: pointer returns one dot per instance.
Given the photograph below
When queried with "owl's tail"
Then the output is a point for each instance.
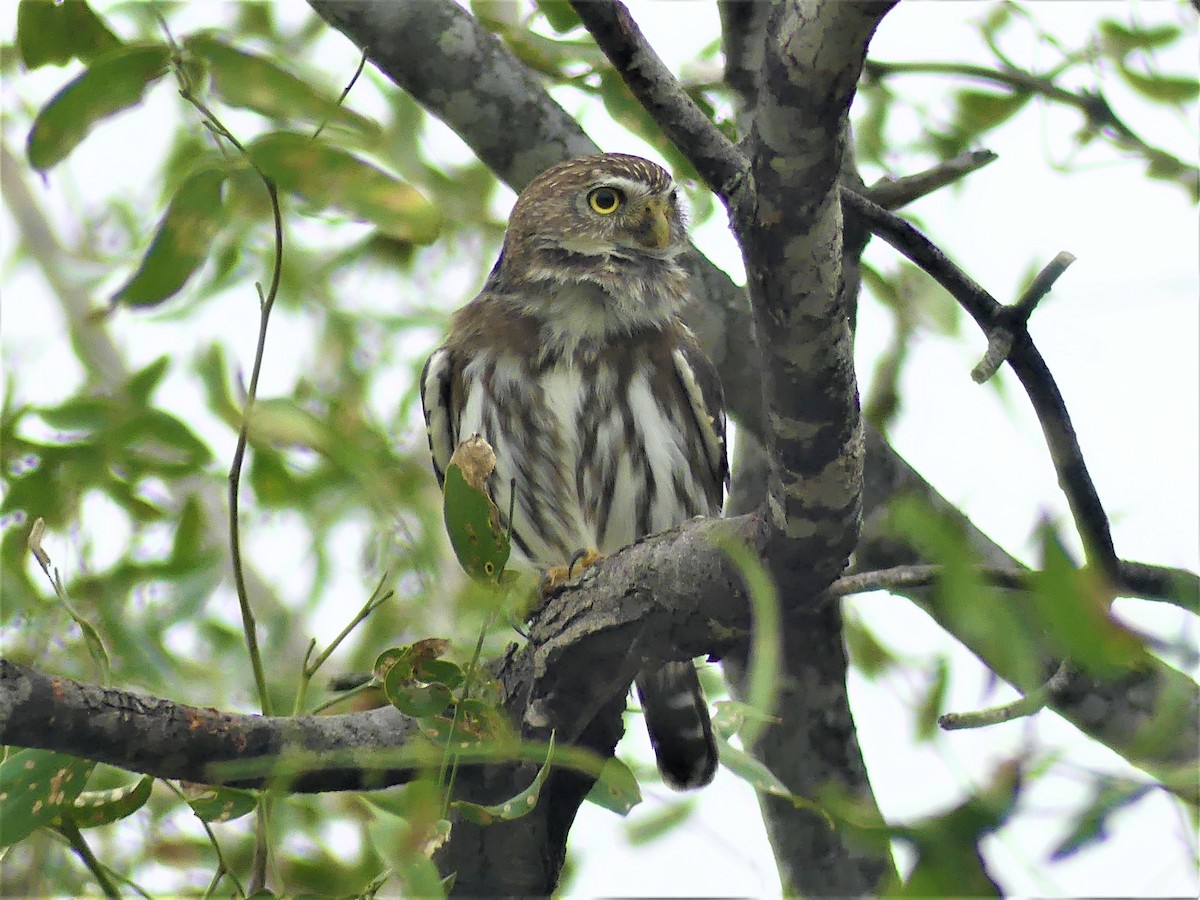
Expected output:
(680, 729)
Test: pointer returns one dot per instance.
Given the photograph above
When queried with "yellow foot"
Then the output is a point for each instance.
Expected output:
(557, 575)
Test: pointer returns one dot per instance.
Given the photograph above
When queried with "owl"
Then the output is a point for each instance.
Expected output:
(606, 417)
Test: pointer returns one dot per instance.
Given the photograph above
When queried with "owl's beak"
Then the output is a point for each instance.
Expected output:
(653, 225)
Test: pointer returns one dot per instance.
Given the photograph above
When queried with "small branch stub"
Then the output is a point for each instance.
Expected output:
(1012, 319)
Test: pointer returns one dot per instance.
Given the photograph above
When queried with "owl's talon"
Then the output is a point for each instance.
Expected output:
(555, 576)
(584, 558)
(517, 625)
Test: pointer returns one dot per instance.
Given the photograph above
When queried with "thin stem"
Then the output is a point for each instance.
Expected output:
(345, 91)
(309, 670)
(345, 695)
(71, 832)
(249, 627)
(91, 637)
(1041, 285)
(212, 839)
(466, 694)
(1093, 106)
(1011, 320)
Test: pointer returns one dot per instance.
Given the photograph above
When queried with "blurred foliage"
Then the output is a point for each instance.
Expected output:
(125, 453)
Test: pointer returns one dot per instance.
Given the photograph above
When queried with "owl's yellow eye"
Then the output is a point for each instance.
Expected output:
(605, 200)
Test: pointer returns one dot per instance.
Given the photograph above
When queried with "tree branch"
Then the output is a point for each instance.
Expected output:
(170, 740)
(893, 193)
(1148, 582)
(719, 162)
(1065, 453)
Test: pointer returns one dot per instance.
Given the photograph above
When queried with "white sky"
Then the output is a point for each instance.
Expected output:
(1120, 332)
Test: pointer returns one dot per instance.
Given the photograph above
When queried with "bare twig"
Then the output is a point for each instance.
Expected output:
(362, 63)
(722, 166)
(1134, 579)
(1012, 320)
(1033, 702)
(893, 193)
(1065, 453)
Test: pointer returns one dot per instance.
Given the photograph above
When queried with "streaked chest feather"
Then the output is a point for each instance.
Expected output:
(600, 454)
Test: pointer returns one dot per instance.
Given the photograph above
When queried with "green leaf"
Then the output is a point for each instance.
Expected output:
(749, 769)
(189, 540)
(948, 859)
(1075, 607)
(960, 601)
(94, 808)
(36, 786)
(142, 383)
(222, 804)
(477, 535)
(439, 671)
(1111, 795)
(255, 82)
(515, 807)
(158, 442)
(867, 653)
(932, 703)
(421, 701)
(182, 242)
(55, 33)
(659, 822)
(218, 388)
(1119, 40)
(980, 111)
(732, 715)
(1163, 88)
(559, 15)
(329, 177)
(616, 789)
(112, 83)
(766, 642)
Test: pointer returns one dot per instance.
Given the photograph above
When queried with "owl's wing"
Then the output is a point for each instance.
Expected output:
(436, 401)
(702, 387)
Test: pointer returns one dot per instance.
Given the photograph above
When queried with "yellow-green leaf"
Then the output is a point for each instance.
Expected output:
(1164, 88)
(659, 822)
(616, 789)
(182, 242)
(112, 83)
(981, 110)
(221, 804)
(36, 786)
(1075, 606)
(332, 178)
(255, 82)
(94, 808)
(513, 808)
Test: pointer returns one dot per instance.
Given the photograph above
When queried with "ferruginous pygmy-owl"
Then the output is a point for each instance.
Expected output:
(574, 365)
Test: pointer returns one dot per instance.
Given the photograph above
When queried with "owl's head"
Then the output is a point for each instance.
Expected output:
(601, 208)
(591, 250)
